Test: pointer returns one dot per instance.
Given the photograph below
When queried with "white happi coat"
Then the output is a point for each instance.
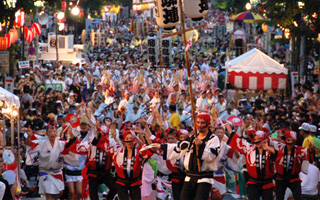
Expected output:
(186, 148)
(50, 163)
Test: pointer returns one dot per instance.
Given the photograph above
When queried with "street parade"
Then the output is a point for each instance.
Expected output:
(159, 99)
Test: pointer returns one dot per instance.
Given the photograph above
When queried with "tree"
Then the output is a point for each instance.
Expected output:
(233, 6)
(287, 13)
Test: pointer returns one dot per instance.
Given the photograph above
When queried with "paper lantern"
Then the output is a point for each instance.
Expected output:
(195, 36)
(29, 39)
(195, 9)
(3, 43)
(37, 28)
(19, 18)
(64, 5)
(26, 33)
(8, 39)
(33, 33)
(167, 13)
(13, 35)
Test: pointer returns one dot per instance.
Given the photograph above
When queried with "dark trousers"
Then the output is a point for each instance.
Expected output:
(106, 178)
(195, 191)
(176, 189)
(282, 185)
(309, 197)
(239, 47)
(124, 192)
(256, 191)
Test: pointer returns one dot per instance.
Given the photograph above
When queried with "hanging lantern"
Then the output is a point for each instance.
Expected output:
(13, 35)
(29, 36)
(37, 28)
(195, 9)
(64, 5)
(19, 18)
(33, 33)
(81, 13)
(3, 43)
(8, 39)
(167, 14)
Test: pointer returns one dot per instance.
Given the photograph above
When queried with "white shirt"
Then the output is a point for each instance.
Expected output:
(221, 107)
(213, 101)
(123, 103)
(201, 103)
(85, 82)
(310, 182)
(239, 34)
(108, 100)
(133, 117)
(205, 66)
(68, 81)
(155, 102)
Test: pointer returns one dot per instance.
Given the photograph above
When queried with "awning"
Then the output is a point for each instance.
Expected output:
(9, 98)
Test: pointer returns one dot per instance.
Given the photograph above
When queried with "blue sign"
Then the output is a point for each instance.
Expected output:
(32, 51)
(278, 31)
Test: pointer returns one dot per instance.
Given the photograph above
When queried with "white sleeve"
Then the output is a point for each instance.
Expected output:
(211, 149)
(9, 176)
(173, 151)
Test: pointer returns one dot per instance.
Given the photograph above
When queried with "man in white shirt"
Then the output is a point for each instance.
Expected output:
(202, 103)
(173, 97)
(239, 40)
(155, 101)
(124, 103)
(145, 97)
(108, 99)
(213, 74)
(221, 106)
(310, 183)
(68, 80)
(134, 115)
(226, 114)
(205, 66)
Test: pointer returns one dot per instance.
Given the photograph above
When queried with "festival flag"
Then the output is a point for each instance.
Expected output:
(189, 42)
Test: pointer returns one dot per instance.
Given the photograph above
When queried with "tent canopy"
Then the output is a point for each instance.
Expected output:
(9, 98)
(255, 61)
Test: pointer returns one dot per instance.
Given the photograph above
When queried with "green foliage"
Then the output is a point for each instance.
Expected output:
(285, 12)
(233, 6)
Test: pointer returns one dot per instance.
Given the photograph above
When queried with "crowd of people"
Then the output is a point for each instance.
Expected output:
(120, 126)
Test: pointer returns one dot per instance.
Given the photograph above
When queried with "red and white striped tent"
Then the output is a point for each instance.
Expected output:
(256, 70)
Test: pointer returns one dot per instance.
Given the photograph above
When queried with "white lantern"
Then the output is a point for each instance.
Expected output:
(167, 13)
(195, 9)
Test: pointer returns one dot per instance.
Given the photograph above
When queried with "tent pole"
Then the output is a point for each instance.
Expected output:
(12, 134)
(19, 145)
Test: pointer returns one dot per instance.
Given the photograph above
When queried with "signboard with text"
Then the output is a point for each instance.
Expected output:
(9, 84)
(24, 64)
(4, 58)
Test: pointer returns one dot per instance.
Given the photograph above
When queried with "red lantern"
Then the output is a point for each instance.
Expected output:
(37, 28)
(3, 43)
(19, 18)
(26, 33)
(64, 5)
(33, 33)
(13, 35)
(30, 36)
(81, 13)
(8, 39)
